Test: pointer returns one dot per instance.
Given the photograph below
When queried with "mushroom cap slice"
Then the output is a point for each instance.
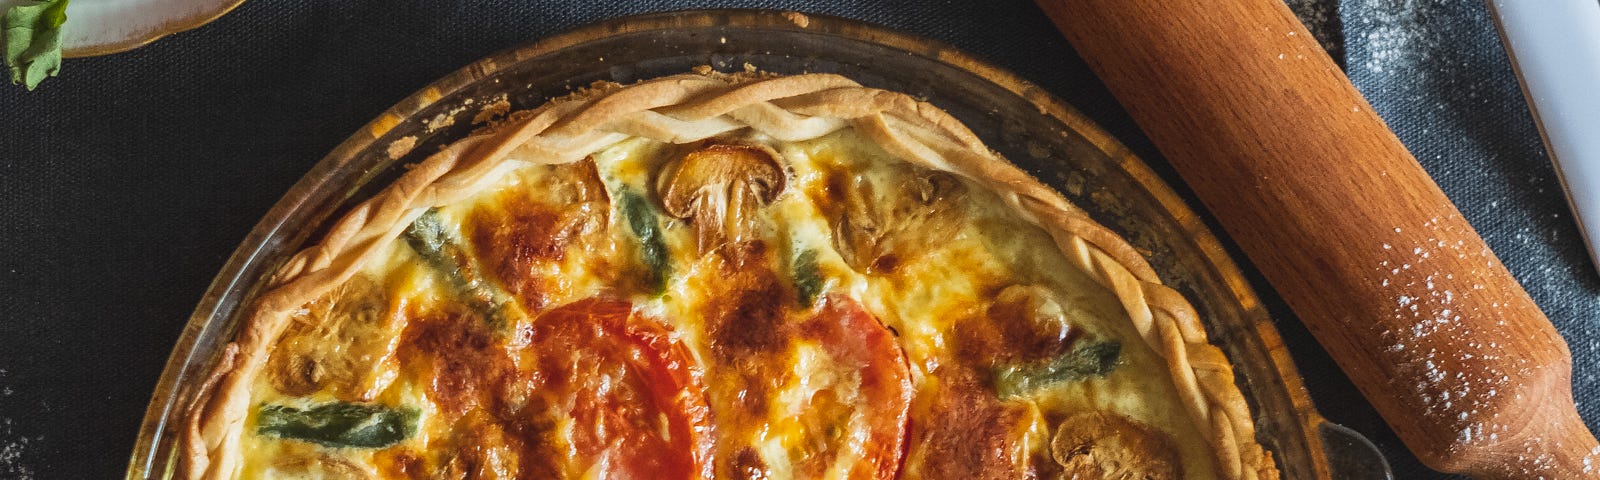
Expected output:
(1104, 445)
(872, 230)
(719, 188)
(339, 343)
(325, 466)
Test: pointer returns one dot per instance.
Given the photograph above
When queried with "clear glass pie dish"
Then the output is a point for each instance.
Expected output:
(1034, 130)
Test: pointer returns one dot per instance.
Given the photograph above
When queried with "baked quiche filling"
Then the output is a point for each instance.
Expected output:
(737, 307)
(741, 276)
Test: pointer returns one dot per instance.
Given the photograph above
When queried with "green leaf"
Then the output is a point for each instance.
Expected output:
(641, 218)
(339, 424)
(32, 35)
(1094, 359)
(807, 277)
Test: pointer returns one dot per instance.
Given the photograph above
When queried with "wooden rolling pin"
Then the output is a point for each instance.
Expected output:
(1347, 226)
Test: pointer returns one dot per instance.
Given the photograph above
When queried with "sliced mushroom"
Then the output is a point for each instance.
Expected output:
(573, 194)
(579, 184)
(1104, 445)
(718, 188)
(312, 466)
(873, 232)
(340, 342)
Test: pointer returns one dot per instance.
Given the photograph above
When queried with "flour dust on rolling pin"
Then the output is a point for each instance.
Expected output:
(1435, 314)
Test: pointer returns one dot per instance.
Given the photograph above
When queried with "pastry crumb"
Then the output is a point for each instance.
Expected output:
(399, 148)
(492, 110)
(798, 19)
(440, 121)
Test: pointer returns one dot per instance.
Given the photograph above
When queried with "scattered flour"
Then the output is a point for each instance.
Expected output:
(12, 445)
(1453, 383)
(1399, 36)
(1321, 17)
(1449, 349)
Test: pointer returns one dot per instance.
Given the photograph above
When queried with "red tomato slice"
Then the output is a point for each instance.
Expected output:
(635, 398)
(853, 337)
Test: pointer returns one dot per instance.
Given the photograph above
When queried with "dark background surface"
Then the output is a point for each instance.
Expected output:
(126, 182)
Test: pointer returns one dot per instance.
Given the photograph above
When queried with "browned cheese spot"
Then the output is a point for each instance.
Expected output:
(968, 433)
(454, 348)
(748, 338)
(1024, 324)
(494, 432)
(521, 235)
(401, 463)
(749, 319)
(747, 465)
(482, 447)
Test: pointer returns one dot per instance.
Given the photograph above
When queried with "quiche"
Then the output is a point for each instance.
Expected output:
(743, 276)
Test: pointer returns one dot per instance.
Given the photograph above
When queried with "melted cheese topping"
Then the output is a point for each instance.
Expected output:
(449, 337)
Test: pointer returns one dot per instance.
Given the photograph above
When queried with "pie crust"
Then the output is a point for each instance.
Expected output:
(691, 107)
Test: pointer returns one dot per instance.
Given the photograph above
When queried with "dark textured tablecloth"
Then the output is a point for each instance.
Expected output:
(126, 182)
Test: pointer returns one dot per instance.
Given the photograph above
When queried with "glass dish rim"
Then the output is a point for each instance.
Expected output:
(214, 316)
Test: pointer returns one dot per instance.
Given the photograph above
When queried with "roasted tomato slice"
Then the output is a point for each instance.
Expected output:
(636, 404)
(868, 431)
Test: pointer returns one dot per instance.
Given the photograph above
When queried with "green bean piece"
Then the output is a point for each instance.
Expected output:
(339, 424)
(429, 237)
(807, 277)
(641, 218)
(433, 241)
(1093, 359)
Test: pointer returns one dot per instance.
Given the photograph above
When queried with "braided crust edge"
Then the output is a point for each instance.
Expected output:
(691, 107)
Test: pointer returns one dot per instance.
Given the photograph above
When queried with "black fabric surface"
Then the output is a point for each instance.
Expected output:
(126, 182)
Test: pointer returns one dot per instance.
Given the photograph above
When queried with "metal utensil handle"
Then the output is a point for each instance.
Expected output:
(1555, 47)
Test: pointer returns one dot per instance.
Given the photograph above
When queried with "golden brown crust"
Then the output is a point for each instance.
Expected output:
(692, 107)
